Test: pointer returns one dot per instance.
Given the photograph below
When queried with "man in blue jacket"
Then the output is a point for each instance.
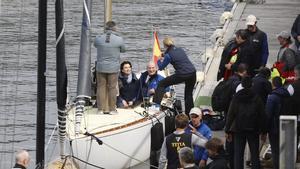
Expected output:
(149, 81)
(196, 125)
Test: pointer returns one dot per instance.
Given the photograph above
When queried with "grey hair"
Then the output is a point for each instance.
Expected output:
(22, 155)
(186, 155)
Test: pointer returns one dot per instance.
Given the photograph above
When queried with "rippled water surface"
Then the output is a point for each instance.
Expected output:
(190, 22)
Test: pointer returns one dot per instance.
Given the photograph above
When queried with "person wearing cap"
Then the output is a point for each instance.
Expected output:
(109, 46)
(196, 125)
(185, 72)
(258, 42)
(286, 57)
(22, 160)
(177, 140)
(296, 31)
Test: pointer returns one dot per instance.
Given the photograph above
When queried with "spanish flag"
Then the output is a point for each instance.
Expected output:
(156, 49)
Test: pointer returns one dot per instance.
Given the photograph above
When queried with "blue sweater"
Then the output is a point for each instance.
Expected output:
(199, 152)
(180, 61)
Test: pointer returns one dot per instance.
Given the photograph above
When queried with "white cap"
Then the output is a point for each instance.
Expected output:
(251, 20)
(196, 110)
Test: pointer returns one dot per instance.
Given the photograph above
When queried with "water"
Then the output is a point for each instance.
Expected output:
(190, 22)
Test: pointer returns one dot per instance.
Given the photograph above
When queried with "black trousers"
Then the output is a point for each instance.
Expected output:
(189, 80)
(240, 139)
(274, 142)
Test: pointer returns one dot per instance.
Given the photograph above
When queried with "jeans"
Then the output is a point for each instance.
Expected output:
(107, 91)
(189, 81)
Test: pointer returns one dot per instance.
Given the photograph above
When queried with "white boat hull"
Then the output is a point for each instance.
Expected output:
(123, 147)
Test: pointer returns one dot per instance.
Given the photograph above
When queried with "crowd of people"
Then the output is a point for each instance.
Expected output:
(259, 95)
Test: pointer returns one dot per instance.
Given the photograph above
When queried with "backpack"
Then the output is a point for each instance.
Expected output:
(221, 95)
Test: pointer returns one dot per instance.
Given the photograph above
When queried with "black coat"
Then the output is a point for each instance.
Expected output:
(296, 30)
(226, 57)
(248, 103)
(219, 162)
(262, 87)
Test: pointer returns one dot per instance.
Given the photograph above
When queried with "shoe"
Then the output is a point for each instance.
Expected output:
(113, 112)
(106, 112)
(248, 163)
(99, 112)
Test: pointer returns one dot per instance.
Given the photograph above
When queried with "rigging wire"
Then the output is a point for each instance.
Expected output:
(19, 39)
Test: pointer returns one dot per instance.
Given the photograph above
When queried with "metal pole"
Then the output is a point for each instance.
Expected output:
(287, 144)
(41, 88)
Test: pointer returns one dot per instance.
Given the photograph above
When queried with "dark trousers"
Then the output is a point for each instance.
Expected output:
(189, 80)
(240, 139)
(274, 142)
(229, 146)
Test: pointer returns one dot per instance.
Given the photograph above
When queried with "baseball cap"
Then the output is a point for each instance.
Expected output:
(251, 20)
(196, 110)
(284, 34)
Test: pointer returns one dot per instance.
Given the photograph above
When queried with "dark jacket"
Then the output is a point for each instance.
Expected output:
(246, 56)
(226, 55)
(246, 113)
(128, 91)
(218, 162)
(18, 166)
(262, 87)
(274, 108)
(259, 45)
(180, 61)
(296, 30)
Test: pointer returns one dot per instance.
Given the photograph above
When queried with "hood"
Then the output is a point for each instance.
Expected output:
(281, 91)
(245, 95)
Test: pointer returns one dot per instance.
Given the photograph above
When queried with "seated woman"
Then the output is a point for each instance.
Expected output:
(149, 81)
(128, 86)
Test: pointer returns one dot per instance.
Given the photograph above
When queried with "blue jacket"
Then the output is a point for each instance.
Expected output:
(199, 152)
(273, 107)
(152, 83)
(180, 61)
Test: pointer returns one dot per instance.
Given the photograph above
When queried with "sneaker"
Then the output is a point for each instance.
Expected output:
(113, 112)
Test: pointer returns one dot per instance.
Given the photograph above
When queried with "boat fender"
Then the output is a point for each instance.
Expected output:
(157, 136)
(154, 158)
(170, 122)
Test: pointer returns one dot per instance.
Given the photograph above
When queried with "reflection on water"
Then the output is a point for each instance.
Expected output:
(190, 22)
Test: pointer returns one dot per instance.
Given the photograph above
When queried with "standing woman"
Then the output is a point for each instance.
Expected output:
(184, 72)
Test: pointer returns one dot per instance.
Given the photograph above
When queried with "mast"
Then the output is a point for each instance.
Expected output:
(107, 11)
(61, 74)
(41, 87)
(84, 74)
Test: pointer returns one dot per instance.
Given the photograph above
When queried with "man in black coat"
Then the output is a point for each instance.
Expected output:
(186, 158)
(22, 160)
(246, 119)
(296, 31)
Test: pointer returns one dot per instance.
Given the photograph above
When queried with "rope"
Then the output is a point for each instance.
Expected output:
(51, 136)
(17, 78)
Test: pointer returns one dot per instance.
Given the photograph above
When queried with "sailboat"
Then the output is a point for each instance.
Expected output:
(103, 140)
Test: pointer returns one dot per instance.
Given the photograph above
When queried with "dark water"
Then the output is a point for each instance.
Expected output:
(190, 22)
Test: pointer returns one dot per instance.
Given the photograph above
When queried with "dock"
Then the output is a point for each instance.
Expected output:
(273, 16)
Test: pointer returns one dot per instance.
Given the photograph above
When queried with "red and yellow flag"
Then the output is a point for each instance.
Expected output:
(156, 49)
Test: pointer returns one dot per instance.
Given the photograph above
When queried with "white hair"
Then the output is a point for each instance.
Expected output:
(22, 155)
